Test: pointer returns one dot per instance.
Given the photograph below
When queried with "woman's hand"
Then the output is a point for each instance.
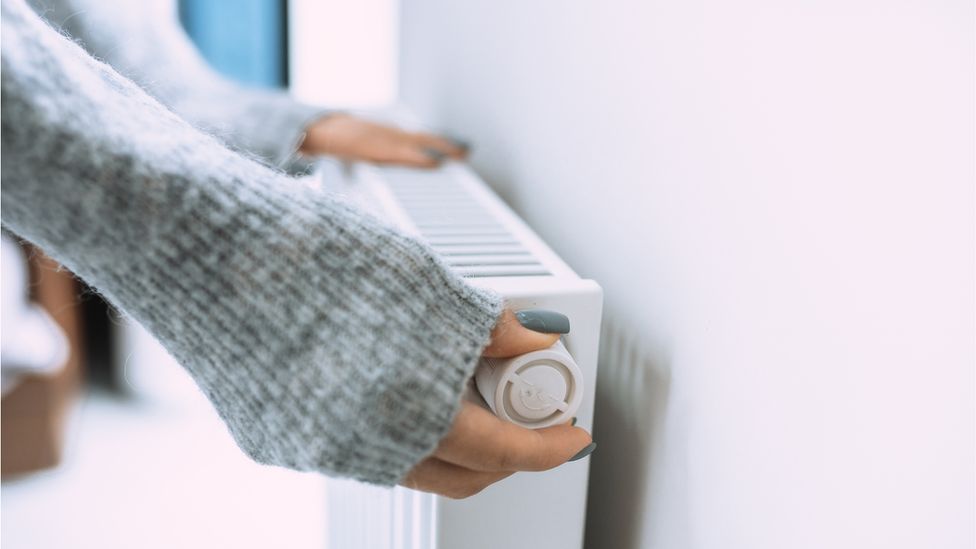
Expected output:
(481, 449)
(352, 138)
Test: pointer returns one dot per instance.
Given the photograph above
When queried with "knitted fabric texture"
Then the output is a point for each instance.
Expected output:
(144, 42)
(325, 339)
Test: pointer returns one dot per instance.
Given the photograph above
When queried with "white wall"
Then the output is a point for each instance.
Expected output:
(778, 199)
(343, 54)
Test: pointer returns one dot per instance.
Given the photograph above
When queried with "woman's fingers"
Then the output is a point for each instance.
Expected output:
(480, 441)
(354, 138)
(423, 150)
(481, 448)
(448, 147)
(405, 152)
(447, 479)
(510, 338)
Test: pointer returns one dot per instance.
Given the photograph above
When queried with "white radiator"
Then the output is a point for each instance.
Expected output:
(484, 241)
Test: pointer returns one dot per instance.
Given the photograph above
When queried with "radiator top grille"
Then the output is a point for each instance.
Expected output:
(459, 228)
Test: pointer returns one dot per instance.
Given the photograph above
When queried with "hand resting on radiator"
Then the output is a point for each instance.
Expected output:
(352, 138)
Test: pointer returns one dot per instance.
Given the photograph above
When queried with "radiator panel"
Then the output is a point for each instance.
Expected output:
(481, 239)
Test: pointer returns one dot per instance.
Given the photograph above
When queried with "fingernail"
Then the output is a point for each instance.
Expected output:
(460, 143)
(584, 452)
(435, 155)
(543, 320)
(573, 422)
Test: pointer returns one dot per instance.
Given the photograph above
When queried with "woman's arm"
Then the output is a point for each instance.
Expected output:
(144, 41)
(325, 340)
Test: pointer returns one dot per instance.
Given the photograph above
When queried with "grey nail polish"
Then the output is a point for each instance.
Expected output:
(460, 143)
(435, 155)
(584, 452)
(543, 320)
(573, 423)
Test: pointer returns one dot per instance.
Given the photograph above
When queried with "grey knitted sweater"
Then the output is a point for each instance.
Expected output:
(144, 42)
(326, 340)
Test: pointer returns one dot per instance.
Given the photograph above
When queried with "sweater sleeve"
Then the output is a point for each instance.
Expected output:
(144, 41)
(326, 340)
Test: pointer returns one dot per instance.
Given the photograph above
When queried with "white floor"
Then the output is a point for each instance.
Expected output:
(159, 470)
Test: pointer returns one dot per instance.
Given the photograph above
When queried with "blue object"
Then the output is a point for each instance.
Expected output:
(243, 39)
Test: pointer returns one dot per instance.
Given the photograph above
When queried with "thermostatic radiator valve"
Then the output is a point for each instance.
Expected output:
(535, 390)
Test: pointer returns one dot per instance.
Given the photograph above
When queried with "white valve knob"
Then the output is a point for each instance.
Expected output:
(535, 390)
